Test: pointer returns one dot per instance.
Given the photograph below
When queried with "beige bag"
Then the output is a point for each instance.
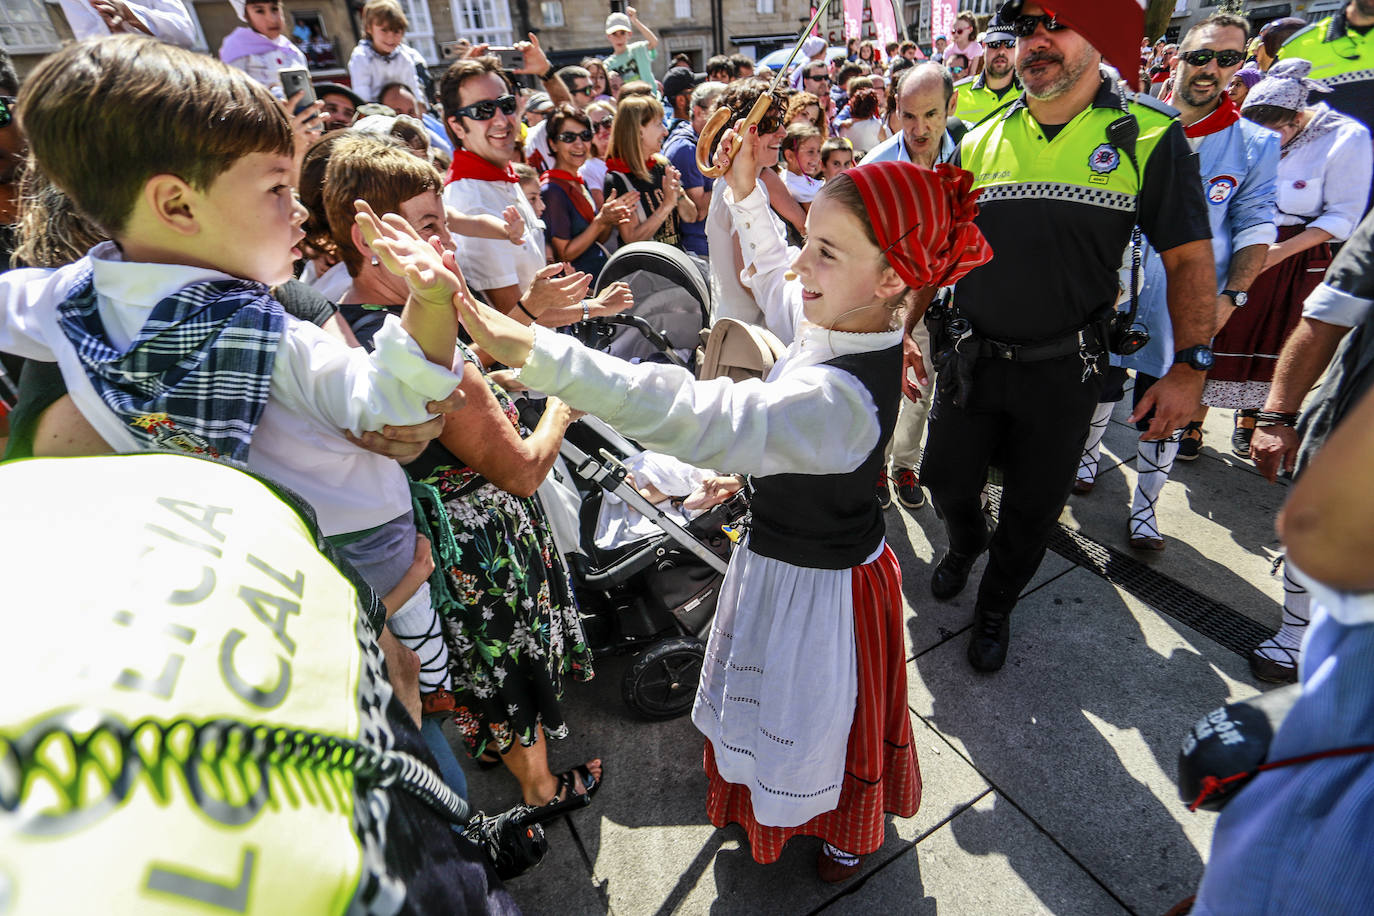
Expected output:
(737, 351)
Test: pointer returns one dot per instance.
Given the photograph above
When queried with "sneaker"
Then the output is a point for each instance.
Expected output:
(884, 490)
(1191, 444)
(909, 492)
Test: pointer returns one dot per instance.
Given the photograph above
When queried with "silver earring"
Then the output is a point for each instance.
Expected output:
(374, 260)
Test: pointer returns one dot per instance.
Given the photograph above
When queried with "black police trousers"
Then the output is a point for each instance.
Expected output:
(1029, 419)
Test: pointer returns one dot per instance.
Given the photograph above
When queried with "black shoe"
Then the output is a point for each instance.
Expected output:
(988, 641)
(884, 490)
(1241, 435)
(951, 574)
(909, 491)
(1191, 444)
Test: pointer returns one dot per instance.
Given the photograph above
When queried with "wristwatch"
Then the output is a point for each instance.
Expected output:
(1239, 297)
(1199, 357)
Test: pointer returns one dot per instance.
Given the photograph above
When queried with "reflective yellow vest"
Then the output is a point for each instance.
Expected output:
(169, 620)
(976, 101)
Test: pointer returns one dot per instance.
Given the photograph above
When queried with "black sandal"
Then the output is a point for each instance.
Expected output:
(1241, 435)
(567, 781)
(489, 760)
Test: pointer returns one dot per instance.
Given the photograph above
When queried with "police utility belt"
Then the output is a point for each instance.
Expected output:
(957, 347)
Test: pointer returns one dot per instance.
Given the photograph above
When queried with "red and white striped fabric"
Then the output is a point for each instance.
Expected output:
(881, 773)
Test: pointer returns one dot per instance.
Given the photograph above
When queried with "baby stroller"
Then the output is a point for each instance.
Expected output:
(656, 594)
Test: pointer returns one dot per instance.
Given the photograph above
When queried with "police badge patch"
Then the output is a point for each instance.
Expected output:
(1104, 159)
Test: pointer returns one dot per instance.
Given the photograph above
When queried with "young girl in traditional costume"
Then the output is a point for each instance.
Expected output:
(803, 691)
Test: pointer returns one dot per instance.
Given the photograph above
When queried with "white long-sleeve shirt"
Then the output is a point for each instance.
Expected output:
(370, 71)
(319, 385)
(168, 20)
(1325, 183)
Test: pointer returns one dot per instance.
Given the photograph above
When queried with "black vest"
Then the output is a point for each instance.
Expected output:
(831, 521)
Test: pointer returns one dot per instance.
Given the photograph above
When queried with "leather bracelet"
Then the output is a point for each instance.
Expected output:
(521, 306)
(1276, 417)
(548, 74)
(1269, 424)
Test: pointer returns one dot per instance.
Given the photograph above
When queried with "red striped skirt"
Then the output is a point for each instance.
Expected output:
(881, 775)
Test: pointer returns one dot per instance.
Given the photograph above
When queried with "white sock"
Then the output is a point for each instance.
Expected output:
(416, 626)
(1092, 448)
(1153, 462)
(1284, 645)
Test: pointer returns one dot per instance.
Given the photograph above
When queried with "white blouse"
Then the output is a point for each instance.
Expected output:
(1325, 183)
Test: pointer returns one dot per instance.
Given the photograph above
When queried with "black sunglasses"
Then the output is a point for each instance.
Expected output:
(603, 124)
(569, 136)
(1203, 56)
(6, 110)
(485, 110)
(586, 90)
(1005, 43)
(1024, 26)
(819, 78)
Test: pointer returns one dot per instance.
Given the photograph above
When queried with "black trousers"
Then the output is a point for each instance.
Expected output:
(1029, 419)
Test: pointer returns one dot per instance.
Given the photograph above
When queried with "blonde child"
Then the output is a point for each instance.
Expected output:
(803, 692)
(383, 58)
(260, 48)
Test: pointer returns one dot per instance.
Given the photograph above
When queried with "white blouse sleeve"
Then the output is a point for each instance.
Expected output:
(1348, 165)
(347, 387)
(815, 420)
(767, 260)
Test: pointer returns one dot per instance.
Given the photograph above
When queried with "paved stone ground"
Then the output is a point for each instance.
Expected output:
(1048, 787)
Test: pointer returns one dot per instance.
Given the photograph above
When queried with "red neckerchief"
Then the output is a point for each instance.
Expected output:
(575, 188)
(1223, 117)
(617, 165)
(470, 165)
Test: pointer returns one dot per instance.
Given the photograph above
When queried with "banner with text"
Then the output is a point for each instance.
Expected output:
(942, 13)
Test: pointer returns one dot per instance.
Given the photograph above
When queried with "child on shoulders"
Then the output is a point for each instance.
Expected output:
(632, 60)
(383, 58)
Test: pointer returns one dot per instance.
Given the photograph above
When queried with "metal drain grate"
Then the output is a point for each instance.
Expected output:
(1211, 618)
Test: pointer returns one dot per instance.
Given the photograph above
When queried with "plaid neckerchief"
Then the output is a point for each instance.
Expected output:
(196, 377)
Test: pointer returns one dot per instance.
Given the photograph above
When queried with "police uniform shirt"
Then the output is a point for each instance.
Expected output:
(977, 101)
(1342, 57)
(1057, 207)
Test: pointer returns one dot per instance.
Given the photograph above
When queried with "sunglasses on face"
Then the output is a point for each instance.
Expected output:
(1006, 43)
(6, 110)
(818, 77)
(485, 110)
(1203, 57)
(603, 124)
(569, 136)
(586, 90)
(1025, 26)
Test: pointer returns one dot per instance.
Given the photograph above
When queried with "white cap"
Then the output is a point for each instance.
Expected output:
(617, 22)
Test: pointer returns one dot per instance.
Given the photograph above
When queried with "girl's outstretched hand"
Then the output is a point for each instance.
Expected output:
(431, 278)
(501, 337)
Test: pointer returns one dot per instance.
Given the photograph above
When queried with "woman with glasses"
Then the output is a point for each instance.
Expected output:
(634, 165)
(574, 226)
(593, 171)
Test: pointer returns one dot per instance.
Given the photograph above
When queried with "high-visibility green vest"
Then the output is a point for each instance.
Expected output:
(146, 597)
(1341, 58)
(976, 101)
(1057, 213)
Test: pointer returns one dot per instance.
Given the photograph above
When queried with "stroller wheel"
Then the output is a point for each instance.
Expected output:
(662, 683)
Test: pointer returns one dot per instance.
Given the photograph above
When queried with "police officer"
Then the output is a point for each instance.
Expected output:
(997, 85)
(1341, 50)
(1066, 170)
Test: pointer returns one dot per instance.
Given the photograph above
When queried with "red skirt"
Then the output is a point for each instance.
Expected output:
(880, 771)
(1247, 349)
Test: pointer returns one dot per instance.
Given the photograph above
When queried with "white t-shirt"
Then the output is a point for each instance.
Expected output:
(803, 188)
(494, 263)
(593, 172)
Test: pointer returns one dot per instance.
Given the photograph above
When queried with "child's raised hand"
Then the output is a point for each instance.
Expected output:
(515, 224)
(432, 278)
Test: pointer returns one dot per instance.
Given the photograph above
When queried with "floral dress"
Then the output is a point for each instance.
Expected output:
(514, 630)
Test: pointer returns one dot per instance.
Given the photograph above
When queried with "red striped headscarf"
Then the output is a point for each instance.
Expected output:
(923, 220)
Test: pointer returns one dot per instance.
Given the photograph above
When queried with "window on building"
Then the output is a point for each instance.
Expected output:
(420, 35)
(682, 9)
(25, 27)
(553, 13)
(764, 7)
(483, 22)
